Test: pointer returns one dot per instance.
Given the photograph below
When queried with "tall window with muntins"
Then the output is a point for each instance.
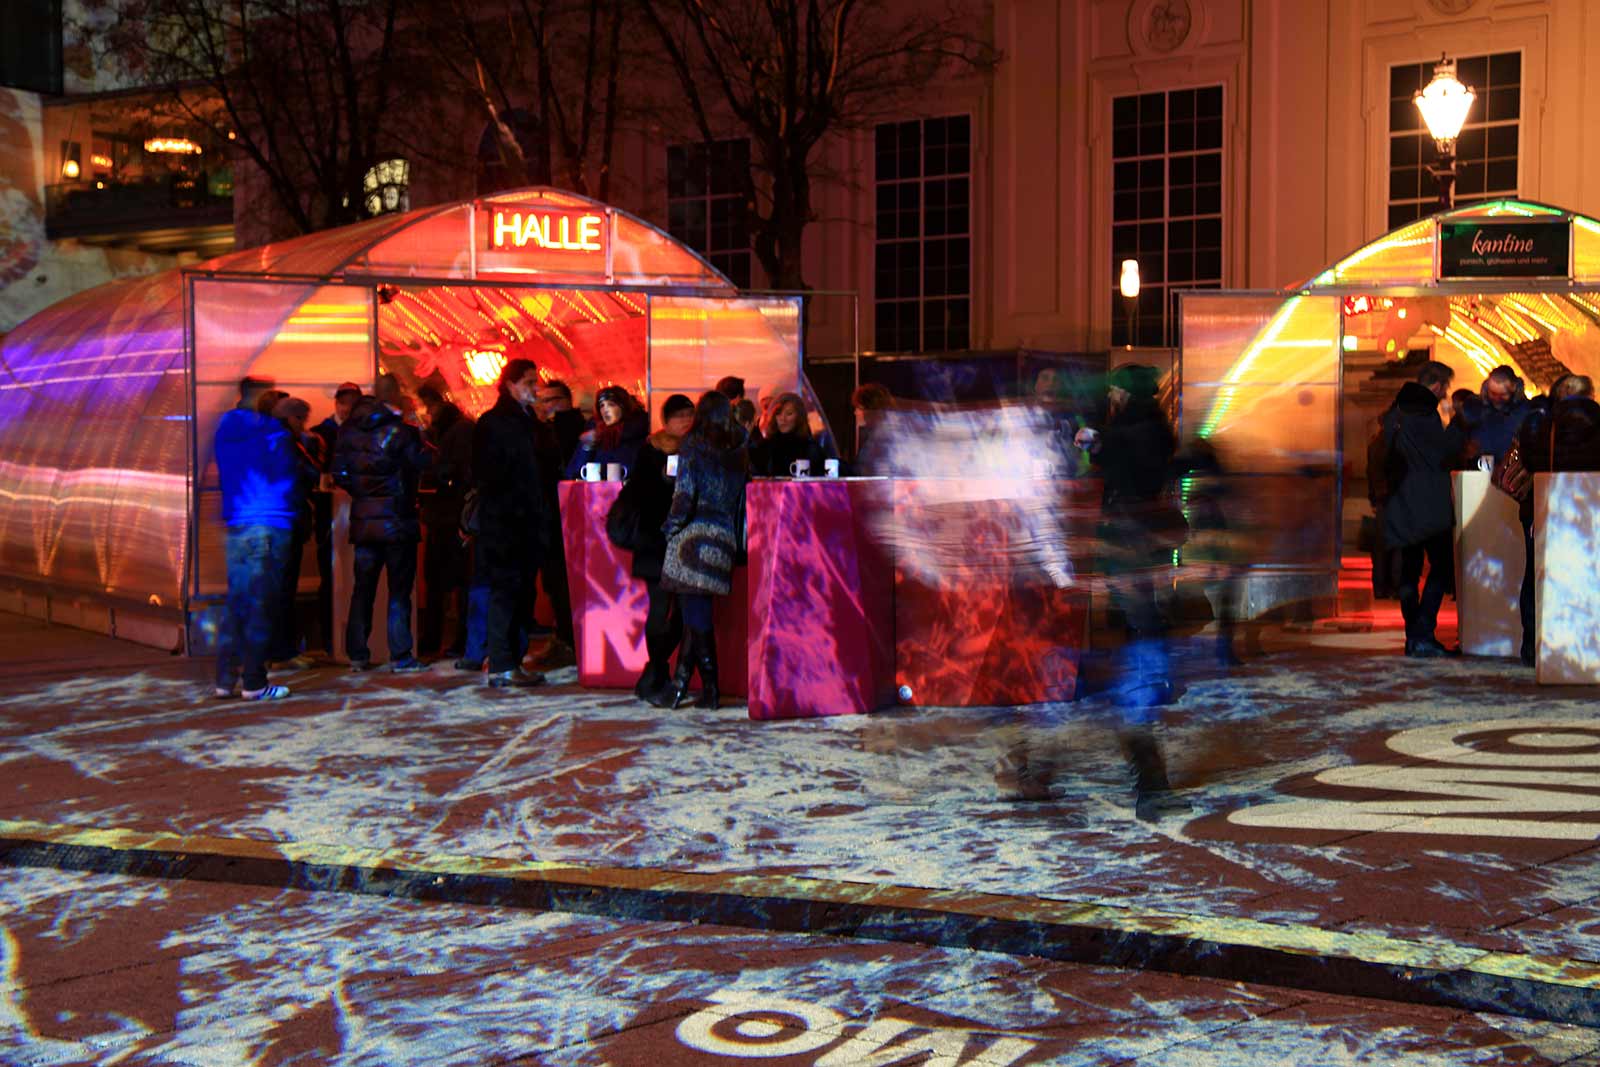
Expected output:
(706, 206)
(922, 269)
(1166, 211)
(1486, 151)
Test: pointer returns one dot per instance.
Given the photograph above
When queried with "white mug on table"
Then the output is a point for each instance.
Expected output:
(591, 472)
(616, 472)
(800, 468)
(830, 468)
(672, 465)
(1486, 464)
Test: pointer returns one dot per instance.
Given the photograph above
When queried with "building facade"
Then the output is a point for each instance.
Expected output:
(1220, 143)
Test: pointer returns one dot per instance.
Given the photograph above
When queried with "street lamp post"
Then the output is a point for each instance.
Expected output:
(1444, 104)
(1129, 284)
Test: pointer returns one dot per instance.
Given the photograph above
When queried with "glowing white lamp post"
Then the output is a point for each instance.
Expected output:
(1444, 104)
(1129, 284)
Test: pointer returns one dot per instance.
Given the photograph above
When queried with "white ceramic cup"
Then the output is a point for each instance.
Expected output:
(616, 472)
(800, 468)
(1486, 464)
(591, 472)
(672, 466)
(830, 468)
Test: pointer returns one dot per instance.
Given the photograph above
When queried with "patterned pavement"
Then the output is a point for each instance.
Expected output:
(1363, 824)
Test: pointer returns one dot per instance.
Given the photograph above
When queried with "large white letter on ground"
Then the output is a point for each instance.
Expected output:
(814, 1026)
(944, 1048)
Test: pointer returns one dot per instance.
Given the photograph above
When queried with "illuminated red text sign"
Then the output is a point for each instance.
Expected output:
(554, 231)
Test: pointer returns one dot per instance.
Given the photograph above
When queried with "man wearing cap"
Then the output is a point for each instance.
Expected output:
(344, 402)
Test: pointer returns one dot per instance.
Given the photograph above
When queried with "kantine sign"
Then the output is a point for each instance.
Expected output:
(1504, 248)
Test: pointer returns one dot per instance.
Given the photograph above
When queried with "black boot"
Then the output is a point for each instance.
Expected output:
(654, 678)
(1152, 792)
(706, 647)
(676, 693)
(1410, 605)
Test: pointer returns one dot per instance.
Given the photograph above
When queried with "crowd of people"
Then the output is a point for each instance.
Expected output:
(1430, 431)
(474, 503)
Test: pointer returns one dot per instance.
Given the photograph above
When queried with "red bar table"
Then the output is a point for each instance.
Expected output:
(821, 598)
(609, 605)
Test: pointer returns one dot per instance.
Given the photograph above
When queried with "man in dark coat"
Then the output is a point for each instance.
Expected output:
(1504, 406)
(1419, 515)
(379, 460)
(445, 560)
(513, 525)
(327, 431)
(567, 423)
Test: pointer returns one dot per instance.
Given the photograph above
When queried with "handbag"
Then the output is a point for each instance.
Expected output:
(1510, 476)
(622, 520)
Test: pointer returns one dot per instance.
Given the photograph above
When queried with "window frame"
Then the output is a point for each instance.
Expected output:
(736, 262)
(1158, 299)
(954, 281)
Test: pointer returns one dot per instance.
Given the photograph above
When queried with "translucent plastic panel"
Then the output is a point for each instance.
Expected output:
(1269, 427)
(306, 338)
(435, 246)
(1234, 338)
(93, 442)
(695, 341)
(643, 255)
(1585, 249)
(1504, 209)
(1403, 257)
(319, 254)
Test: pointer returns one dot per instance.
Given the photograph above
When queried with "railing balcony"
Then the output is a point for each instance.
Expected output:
(88, 209)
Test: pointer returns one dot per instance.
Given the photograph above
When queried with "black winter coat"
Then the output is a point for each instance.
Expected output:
(771, 457)
(378, 460)
(651, 490)
(1420, 453)
(704, 524)
(1140, 524)
(451, 437)
(513, 521)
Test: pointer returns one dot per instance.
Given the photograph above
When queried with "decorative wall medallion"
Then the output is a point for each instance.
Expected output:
(1166, 23)
(1451, 7)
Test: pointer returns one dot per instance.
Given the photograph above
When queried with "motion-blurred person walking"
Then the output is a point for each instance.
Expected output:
(256, 469)
(1140, 529)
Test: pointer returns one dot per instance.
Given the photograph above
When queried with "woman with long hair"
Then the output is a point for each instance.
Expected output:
(785, 437)
(620, 428)
(704, 530)
(651, 492)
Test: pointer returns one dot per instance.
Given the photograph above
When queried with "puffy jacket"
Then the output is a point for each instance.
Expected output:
(258, 470)
(379, 460)
(772, 457)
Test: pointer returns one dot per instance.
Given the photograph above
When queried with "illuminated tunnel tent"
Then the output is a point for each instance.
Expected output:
(1287, 385)
(109, 400)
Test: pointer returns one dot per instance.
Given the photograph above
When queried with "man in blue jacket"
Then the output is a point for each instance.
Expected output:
(259, 478)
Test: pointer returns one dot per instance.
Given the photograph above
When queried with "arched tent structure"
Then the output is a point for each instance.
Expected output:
(1263, 373)
(109, 399)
